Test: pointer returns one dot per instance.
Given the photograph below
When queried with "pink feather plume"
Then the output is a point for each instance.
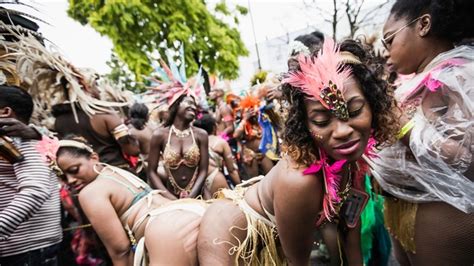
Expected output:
(316, 73)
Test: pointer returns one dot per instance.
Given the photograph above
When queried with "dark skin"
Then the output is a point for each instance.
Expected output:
(413, 48)
(294, 198)
(184, 117)
(333, 133)
(15, 128)
(222, 111)
(410, 51)
(104, 124)
(266, 164)
(222, 148)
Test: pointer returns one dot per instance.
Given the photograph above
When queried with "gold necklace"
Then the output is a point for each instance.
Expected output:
(181, 133)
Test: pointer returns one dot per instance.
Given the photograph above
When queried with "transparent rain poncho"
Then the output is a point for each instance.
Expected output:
(438, 164)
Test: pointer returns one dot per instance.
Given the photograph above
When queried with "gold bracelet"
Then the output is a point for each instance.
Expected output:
(407, 127)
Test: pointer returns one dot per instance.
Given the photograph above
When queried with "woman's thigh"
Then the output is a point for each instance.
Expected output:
(444, 235)
(222, 228)
(219, 182)
(171, 238)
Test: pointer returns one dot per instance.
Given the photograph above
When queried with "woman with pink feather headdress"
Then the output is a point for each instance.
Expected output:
(182, 147)
(339, 110)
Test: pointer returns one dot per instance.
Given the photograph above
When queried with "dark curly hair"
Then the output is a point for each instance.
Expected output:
(451, 19)
(138, 114)
(206, 122)
(297, 139)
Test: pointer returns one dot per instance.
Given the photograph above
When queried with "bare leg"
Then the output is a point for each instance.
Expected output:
(329, 234)
(216, 239)
(444, 235)
(219, 183)
(400, 254)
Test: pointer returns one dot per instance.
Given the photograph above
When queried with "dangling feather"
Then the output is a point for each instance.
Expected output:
(332, 181)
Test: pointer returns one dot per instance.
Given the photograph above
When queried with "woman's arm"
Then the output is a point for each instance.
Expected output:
(239, 131)
(203, 139)
(156, 146)
(352, 247)
(227, 118)
(99, 210)
(297, 203)
(127, 142)
(230, 163)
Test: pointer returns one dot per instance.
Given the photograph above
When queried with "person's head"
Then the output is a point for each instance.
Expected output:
(342, 132)
(138, 115)
(216, 92)
(15, 103)
(417, 31)
(206, 122)
(77, 161)
(185, 107)
(306, 44)
(313, 41)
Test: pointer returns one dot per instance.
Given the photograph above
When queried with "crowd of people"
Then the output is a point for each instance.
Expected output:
(367, 154)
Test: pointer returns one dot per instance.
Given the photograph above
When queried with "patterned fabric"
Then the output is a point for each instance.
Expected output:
(29, 203)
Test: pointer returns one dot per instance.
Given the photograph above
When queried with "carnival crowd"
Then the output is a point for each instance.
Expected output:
(353, 156)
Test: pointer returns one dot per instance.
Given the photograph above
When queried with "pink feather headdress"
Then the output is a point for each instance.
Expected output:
(169, 82)
(322, 78)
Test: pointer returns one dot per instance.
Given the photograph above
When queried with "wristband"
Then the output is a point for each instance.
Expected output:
(407, 127)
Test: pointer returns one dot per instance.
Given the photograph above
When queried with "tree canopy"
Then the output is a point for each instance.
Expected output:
(141, 28)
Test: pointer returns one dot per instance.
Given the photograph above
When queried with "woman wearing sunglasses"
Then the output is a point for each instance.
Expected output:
(429, 172)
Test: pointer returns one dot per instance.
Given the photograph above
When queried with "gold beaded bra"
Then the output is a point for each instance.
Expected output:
(173, 159)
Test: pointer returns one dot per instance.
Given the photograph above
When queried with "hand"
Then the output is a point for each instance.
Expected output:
(275, 93)
(15, 128)
(249, 114)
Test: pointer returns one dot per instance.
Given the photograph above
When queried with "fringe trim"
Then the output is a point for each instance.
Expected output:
(400, 218)
(260, 246)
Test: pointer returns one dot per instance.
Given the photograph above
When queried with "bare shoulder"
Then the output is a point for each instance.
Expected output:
(160, 132)
(295, 193)
(289, 177)
(93, 191)
(199, 132)
(109, 118)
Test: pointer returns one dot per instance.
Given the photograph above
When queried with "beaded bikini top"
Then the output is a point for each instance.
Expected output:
(173, 159)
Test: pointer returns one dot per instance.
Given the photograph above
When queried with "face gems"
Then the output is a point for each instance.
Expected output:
(316, 136)
(336, 102)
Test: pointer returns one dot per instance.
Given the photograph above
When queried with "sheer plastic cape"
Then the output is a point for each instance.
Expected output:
(439, 165)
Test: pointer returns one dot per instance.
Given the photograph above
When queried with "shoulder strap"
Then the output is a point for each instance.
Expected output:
(192, 135)
(169, 135)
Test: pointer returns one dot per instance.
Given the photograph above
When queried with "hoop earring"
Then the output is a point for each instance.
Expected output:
(95, 167)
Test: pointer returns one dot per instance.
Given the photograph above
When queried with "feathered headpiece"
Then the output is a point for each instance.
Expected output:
(169, 81)
(50, 79)
(249, 101)
(17, 21)
(322, 77)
